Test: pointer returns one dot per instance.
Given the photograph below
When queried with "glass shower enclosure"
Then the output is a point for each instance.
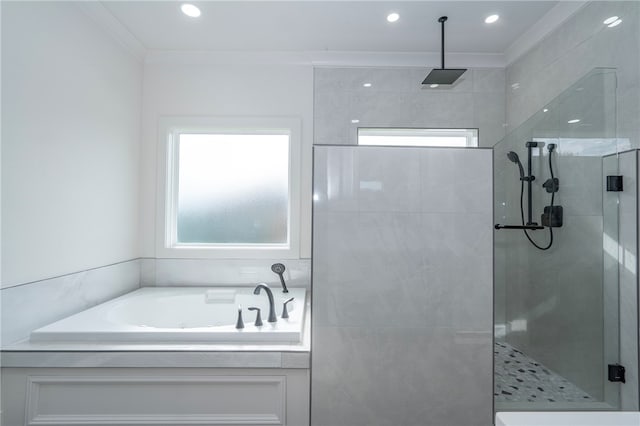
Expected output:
(556, 254)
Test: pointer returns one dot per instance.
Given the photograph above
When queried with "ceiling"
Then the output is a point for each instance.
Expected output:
(330, 26)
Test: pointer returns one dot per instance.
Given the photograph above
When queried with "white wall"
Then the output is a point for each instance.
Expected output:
(201, 89)
(70, 129)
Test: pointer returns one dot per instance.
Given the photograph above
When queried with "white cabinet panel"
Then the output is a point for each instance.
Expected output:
(65, 397)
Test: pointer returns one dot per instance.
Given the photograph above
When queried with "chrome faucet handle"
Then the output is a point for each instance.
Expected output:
(239, 322)
(285, 313)
(258, 322)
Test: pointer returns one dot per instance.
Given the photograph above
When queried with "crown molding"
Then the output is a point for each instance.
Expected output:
(549, 22)
(324, 58)
(113, 27)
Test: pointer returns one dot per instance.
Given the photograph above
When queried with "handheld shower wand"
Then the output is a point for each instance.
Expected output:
(512, 156)
(552, 216)
(279, 269)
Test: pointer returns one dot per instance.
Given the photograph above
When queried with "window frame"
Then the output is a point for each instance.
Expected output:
(166, 210)
(470, 133)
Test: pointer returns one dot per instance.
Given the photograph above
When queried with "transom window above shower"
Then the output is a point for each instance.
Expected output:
(418, 137)
(230, 189)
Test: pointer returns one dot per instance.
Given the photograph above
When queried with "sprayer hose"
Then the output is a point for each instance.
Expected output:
(553, 193)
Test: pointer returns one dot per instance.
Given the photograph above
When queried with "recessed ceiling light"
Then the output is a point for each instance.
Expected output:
(615, 23)
(190, 10)
(393, 17)
(366, 85)
(491, 19)
(610, 20)
(355, 121)
(433, 86)
(574, 121)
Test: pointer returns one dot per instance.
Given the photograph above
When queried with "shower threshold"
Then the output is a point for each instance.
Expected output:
(521, 381)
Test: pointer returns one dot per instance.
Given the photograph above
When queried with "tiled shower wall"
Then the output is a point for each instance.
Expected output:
(402, 286)
(567, 54)
(574, 49)
(551, 302)
(397, 98)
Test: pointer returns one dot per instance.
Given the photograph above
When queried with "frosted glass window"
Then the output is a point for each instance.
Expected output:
(232, 189)
(418, 137)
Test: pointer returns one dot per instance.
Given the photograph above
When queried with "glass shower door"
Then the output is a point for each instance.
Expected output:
(556, 254)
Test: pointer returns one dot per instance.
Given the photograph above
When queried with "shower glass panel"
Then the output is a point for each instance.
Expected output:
(556, 305)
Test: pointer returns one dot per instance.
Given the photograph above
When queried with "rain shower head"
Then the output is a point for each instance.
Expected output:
(444, 76)
(512, 156)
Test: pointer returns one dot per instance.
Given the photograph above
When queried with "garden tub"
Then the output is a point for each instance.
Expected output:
(181, 315)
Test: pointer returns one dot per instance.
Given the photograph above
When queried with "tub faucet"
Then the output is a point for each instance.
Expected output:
(272, 308)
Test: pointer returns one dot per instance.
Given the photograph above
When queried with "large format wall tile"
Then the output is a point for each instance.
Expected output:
(564, 295)
(402, 292)
(570, 52)
(452, 179)
(397, 98)
(410, 376)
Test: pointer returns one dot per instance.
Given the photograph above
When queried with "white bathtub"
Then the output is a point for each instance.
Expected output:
(182, 314)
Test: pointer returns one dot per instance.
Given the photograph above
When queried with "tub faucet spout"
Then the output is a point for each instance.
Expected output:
(272, 308)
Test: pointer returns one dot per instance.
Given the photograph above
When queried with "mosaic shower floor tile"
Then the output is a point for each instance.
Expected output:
(519, 378)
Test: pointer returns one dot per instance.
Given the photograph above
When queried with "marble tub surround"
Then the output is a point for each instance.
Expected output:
(33, 305)
(401, 329)
(212, 272)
